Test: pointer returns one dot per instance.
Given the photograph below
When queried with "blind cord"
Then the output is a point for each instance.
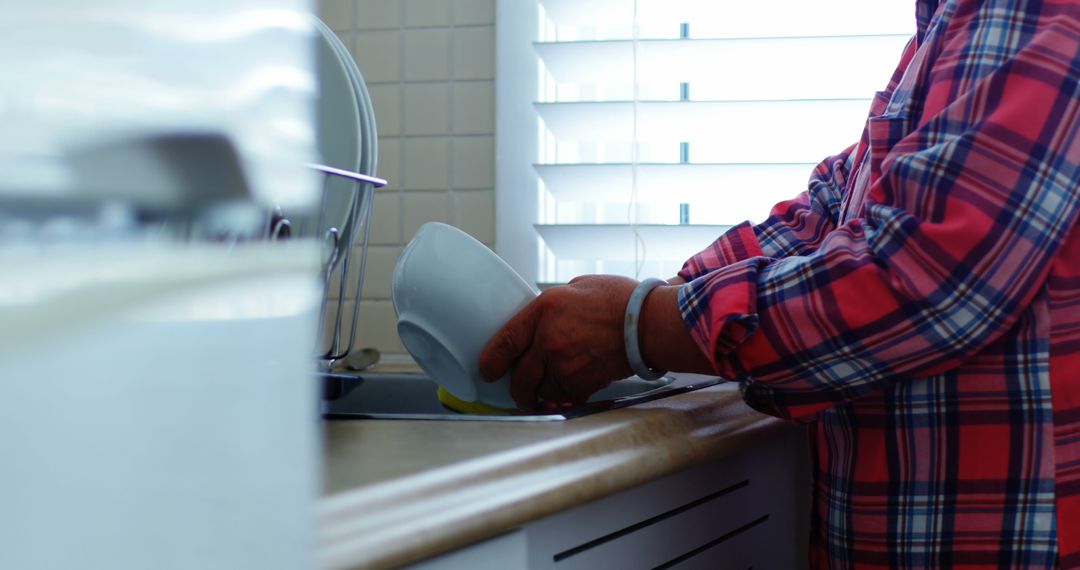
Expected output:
(631, 211)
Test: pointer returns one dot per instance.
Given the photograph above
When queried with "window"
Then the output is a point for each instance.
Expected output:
(632, 133)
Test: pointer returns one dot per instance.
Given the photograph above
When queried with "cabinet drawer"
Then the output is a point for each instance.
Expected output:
(666, 539)
(747, 509)
(747, 547)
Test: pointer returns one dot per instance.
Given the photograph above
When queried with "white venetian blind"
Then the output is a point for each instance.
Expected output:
(734, 104)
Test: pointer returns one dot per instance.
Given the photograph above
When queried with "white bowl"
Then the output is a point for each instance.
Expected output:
(451, 295)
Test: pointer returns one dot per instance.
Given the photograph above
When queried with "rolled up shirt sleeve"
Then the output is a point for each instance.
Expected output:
(966, 208)
(795, 226)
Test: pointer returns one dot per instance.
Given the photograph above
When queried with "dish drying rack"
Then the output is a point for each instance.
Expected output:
(356, 222)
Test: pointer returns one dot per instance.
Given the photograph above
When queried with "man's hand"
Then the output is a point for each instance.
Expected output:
(565, 345)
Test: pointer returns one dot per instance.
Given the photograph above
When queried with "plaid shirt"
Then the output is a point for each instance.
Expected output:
(919, 305)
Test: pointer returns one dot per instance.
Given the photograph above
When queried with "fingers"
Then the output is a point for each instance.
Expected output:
(555, 406)
(525, 380)
(584, 279)
(509, 343)
(580, 397)
(551, 390)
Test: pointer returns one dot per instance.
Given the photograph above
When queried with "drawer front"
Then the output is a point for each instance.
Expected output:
(746, 510)
(662, 539)
(746, 548)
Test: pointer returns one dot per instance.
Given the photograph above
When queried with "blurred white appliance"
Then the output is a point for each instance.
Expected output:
(157, 408)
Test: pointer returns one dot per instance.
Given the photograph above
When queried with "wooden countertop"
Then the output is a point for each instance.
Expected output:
(397, 491)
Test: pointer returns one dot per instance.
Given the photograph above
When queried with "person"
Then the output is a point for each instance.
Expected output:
(918, 307)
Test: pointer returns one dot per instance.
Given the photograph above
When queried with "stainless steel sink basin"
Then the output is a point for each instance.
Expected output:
(413, 397)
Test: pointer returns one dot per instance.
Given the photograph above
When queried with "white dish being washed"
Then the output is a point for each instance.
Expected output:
(452, 294)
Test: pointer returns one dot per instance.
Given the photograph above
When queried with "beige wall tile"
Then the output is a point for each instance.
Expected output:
(424, 207)
(474, 162)
(379, 271)
(338, 14)
(334, 292)
(427, 164)
(386, 218)
(377, 326)
(435, 133)
(386, 100)
(474, 53)
(389, 164)
(427, 13)
(330, 322)
(350, 284)
(380, 264)
(346, 38)
(324, 334)
(378, 56)
(427, 108)
(427, 54)
(378, 14)
(474, 108)
(468, 12)
(474, 211)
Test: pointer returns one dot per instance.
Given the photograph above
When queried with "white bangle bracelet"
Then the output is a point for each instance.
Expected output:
(630, 329)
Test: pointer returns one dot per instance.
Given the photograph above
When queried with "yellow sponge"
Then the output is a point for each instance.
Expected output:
(472, 408)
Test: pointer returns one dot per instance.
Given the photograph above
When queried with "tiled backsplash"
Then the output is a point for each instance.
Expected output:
(430, 68)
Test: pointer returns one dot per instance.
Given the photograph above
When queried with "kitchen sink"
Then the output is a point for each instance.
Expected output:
(413, 396)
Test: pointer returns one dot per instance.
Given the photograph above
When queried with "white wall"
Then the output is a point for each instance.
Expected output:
(430, 68)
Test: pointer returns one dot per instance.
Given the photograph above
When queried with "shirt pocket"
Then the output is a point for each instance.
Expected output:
(890, 122)
(884, 133)
(875, 144)
(880, 103)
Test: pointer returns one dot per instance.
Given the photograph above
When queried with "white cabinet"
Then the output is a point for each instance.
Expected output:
(505, 552)
(748, 509)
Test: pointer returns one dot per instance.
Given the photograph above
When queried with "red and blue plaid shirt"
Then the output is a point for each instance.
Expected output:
(919, 304)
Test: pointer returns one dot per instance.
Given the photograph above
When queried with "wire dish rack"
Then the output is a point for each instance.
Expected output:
(348, 143)
(339, 258)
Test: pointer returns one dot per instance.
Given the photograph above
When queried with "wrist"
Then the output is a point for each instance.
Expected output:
(664, 338)
(632, 329)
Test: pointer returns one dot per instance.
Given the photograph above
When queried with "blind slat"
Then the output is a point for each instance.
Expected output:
(668, 183)
(741, 131)
(742, 19)
(728, 69)
(735, 104)
(616, 241)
